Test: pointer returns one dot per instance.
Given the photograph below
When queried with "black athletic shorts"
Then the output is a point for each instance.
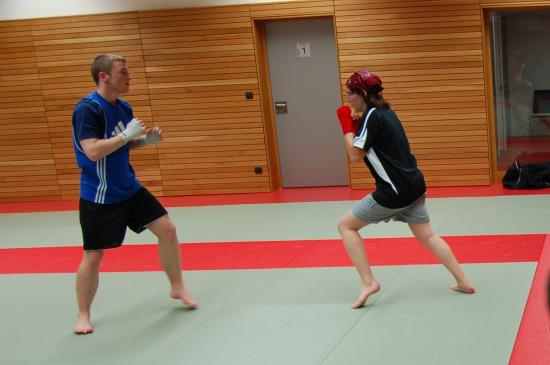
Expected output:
(104, 225)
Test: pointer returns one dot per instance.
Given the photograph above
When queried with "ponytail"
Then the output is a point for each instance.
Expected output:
(375, 99)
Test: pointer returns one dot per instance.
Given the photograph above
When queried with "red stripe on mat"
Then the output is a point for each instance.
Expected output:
(532, 344)
(275, 254)
(296, 195)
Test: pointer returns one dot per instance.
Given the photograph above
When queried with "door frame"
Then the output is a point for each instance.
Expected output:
(497, 175)
(266, 97)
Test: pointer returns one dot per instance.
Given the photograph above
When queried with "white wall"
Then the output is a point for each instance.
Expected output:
(27, 9)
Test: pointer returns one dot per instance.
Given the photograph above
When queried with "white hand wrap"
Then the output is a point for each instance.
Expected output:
(133, 130)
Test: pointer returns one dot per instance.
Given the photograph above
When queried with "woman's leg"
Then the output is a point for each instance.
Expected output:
(426, 235)
(349, 228)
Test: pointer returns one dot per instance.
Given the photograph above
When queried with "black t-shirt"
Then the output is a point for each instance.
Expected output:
(388, 156)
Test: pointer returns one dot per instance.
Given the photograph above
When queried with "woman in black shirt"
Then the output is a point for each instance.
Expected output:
(380, 141)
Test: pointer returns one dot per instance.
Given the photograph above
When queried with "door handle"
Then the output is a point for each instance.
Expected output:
(281, 107)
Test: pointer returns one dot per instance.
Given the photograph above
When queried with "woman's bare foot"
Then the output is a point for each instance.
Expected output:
(366, 292)
(83, 326)
(463, 288)
(185, 297)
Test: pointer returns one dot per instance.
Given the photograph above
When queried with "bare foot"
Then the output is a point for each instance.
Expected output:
(463, 288)
(83, 326)
(185, 297)
(366, 292)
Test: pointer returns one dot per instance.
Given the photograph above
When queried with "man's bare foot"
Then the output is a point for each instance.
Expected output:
(463, 288)
(366, 292)
(83, 326)
(185, 297)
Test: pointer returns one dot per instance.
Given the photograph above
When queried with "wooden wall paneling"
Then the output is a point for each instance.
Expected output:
(27, 169)
(292, 9)
(268, 114)
(192, 67)
(429, 56)
(65, 48)
(199, 65)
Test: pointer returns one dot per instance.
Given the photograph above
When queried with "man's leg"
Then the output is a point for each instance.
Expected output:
(169, 253)
(426, 235)
(349, 228)
(87, 281)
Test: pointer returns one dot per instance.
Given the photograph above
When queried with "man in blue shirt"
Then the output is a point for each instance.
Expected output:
(111, 198)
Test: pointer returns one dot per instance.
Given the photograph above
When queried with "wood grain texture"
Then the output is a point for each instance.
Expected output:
(192, 67)
(199, 65)
(65, 50)
(27, 167)
(429, 56)
(292, 9)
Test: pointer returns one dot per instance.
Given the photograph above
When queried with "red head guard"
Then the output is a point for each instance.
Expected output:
(365, 81)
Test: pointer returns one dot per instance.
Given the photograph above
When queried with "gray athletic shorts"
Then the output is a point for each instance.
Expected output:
(368, 210)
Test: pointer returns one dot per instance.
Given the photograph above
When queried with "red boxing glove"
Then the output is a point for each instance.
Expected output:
(344, 116)
(349, 125)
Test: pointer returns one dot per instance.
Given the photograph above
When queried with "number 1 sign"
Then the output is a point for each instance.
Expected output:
(304, 49)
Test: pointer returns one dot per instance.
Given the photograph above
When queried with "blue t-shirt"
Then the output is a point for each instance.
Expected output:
(110, 179)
